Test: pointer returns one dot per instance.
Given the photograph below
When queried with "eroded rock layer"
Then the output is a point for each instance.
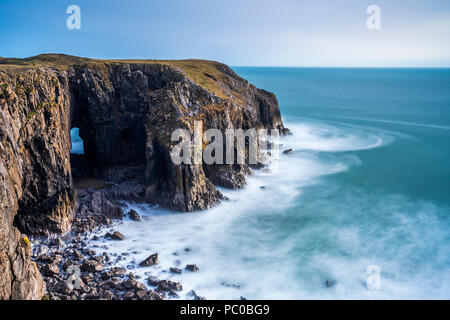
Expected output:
(126, 112)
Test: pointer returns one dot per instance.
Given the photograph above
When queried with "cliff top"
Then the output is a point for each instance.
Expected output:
(211, 75)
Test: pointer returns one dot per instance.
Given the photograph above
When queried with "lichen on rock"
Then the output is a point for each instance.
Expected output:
(125, 112)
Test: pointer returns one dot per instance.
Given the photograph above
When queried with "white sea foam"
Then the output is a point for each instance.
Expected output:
(278, 243)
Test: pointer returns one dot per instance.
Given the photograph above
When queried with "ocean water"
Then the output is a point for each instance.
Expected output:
(77, 142)
(368, 184)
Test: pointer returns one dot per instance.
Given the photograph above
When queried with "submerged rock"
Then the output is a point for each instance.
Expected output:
(134, 215)
(117, 236)
(192, 268)
(329, 283)
(150, 261)
(152, 281)
(167, 285)
(175, 270)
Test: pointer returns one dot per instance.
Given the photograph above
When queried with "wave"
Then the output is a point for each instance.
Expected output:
(291, 229)
(407, 123)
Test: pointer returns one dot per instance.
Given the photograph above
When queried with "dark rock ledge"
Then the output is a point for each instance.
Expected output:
(125, 112)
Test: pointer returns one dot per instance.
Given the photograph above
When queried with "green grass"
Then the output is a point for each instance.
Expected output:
(207, 74)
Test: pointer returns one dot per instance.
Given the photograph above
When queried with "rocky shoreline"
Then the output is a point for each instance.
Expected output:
(73, 270)
(126, 111)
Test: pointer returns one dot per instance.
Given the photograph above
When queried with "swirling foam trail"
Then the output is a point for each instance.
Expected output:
(270, 242)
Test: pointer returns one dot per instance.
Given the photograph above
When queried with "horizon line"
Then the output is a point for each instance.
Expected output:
(254, 66)
(344, 67)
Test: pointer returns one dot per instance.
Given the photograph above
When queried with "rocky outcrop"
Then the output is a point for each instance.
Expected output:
(126, 112)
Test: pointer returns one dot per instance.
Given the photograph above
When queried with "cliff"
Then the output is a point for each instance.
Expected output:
(126, 111)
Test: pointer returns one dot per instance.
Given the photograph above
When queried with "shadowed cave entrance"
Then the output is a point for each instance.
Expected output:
(106, 153)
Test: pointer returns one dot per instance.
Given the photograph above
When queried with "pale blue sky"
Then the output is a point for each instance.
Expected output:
(236, 32)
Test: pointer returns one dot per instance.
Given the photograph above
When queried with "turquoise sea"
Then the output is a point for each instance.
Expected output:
(368, 184)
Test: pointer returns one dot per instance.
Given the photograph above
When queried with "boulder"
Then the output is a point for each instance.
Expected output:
(150, 261)
(92, 266)
(167, 285)
(175, 270)
(134, 215)
(117, 236)
(192, 268)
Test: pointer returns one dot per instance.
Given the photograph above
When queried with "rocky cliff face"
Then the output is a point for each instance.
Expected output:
(126, 112)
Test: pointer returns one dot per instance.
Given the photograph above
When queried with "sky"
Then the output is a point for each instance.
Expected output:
(414, 33)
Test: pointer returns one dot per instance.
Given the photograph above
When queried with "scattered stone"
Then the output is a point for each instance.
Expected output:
(134, 215)
(329, 283)
(45, 258)
(152, 295)
(113, 283)
(128, 295)
(117, 236)
(132, 284)
(91, 266)
(175, 270)
(107, 295)
(76, 240)
(231, 285)
(150, 261)
(55, 242)
(194, 295)
(192, 268)
(152, 281)
(51, 270)
(141, 294)
(167, 285)
(106, 275)
(117, 271)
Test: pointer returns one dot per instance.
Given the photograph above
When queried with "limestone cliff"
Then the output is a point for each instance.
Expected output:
(126, 111)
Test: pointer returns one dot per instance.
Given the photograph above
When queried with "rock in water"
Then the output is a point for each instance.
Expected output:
(134, 215)
(150, 261)
(330, 283)
(152, 281)
(288, 151)
(175, 270)
(167, 285)
(117, 236)
(192, 268)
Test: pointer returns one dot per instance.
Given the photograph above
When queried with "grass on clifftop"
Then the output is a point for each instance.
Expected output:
(208, 74)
